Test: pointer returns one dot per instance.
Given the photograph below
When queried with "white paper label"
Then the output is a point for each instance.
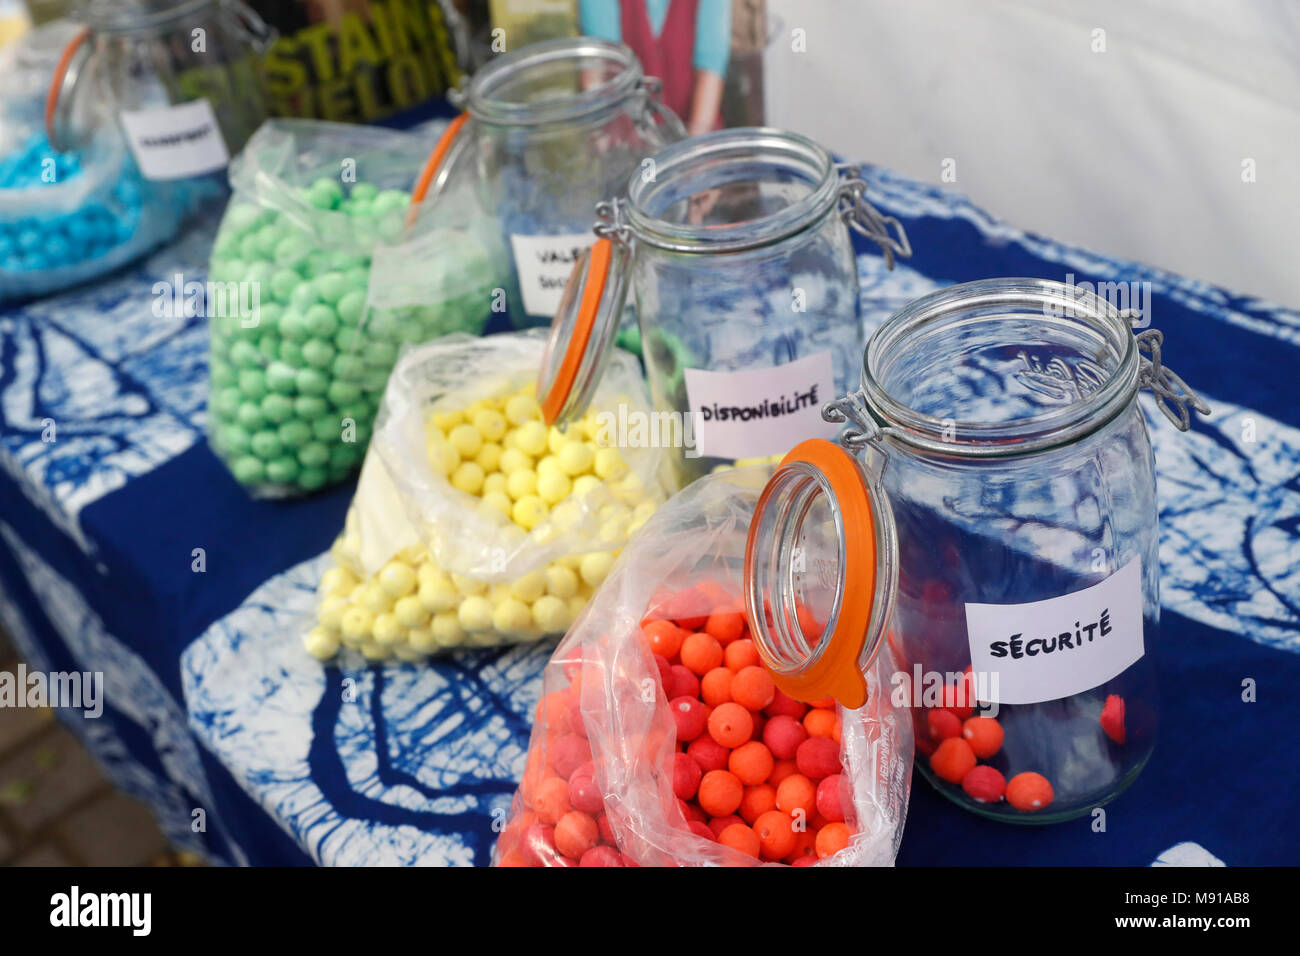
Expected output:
(1062, 646)
(544, 264)
(175, 142)
(762, 411)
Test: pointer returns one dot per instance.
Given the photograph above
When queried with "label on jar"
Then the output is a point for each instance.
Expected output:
(175, 142)
(761, 411)
(1062, 646)
(544, 264)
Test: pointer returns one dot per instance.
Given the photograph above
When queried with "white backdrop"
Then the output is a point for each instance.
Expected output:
(1139, 150)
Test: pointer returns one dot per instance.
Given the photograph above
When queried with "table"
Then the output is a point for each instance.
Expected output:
(251, 752)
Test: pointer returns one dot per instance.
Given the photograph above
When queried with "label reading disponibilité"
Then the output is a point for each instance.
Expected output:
(761, 411)
(544, 264)
(175, 142)
(1063, 646)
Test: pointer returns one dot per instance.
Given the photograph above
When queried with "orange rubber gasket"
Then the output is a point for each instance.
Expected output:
(433, 164)
(597, 275)
(837, 673)
(56, 82)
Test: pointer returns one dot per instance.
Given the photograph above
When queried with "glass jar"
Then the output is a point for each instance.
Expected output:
(991, 511)
(736, 247)
(182, 76)
(553, 127)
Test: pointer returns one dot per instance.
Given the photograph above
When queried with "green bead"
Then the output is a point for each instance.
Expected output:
(341, 260)
(304, 296)
(282, 470)
(277, 408)
(316, 263)
(242, 217)
(291, 249)
(321, 198)
(313, 454)
(295, 433)
(327, 428)
(250, 416)
(347, 340)
(291, 352)
(350, 306)
(358, 209)
(348, 368)
(337, 473)
(380, 354)
(222, 374)
(321, 321)
(310, 381)
(248, 470)
(234, 440)
(331, 286)
(252, 383)
(268, 346)
(293, 325)
(227, 402)
(366, 191)
(310, 406)
(391, 199)
(283, 283)
(345, 454)
(268, 237)
(309, 479)
(281, 377)
(317, 353)
(244, 354)
(342, 393)
(266, 445)
(268, 316)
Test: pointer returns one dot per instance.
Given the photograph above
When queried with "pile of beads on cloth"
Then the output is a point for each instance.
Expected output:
(295, 378)
(556, 506)
(661, 739)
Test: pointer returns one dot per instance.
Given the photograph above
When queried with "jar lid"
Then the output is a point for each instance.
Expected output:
(583, 331)
(821, 573)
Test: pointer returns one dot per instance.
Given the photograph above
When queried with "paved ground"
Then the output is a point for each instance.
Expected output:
(56, 808)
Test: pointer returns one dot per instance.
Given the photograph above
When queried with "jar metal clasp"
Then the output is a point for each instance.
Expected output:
(866, 219)
(852, 410)
(611, 223)
(1173, 396)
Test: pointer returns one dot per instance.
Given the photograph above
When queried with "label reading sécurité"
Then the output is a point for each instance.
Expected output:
(1062, 646)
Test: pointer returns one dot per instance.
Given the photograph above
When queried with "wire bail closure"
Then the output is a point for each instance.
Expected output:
(1173, 396)
(610, 222)
(852, 409)
(866, 220)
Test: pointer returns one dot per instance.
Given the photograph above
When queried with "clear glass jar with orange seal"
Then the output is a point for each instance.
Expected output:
(990, 510)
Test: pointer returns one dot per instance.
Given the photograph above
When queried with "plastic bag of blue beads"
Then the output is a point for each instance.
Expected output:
(289, 412)
(66, 217)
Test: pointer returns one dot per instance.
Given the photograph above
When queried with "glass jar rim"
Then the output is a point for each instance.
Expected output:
(109, 16)
(510, 66)
(954, 437)
(717, 146)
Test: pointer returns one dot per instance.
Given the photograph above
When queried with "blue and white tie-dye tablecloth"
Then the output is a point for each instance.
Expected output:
(253, 753)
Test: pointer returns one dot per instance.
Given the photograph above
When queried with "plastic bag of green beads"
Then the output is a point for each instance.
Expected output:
(286, 293)
(473, 523)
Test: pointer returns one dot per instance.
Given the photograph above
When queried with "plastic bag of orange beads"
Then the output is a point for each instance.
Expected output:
(660, 739)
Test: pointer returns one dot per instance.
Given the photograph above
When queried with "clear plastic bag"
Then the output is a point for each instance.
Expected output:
(604, 686)
(68, 217)
(292, 374)
(480, 577)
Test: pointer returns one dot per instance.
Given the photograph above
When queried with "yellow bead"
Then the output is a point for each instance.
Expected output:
(337, 581)
(374, 651)
(422, 640)
(528, 512)
(320, 643)
(374, 598)
(429, 573)
(355, 623)
(593, 428)
(609, 464)
(489, 457)
(614, 530)
(466, 440)
(468, 478)
(549, 464)
(577, 604)
(522, 408)
(555, 440)
(512, 460)
(529, 587)
(446, 421)
(469, 585)
(498, 502)
(512, 616)
(386, 630)
(531, 437)
(443, 457)
(410, 611)
(446, 629)
(438, 596)
(331, 611)
(551, 614)
(595, 567)
(553, 487)
(475, 613)
(567, 515)
(584, 484)
(521, 483)
(405, 652)
(576, 458)
(640, 515)
(491, 424)
(397, 578)
(494, 482)
(561, 582)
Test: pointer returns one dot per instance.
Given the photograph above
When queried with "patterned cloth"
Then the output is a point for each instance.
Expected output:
(252, 752)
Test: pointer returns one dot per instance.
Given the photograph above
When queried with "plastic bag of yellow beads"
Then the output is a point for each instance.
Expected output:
(474, 524)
